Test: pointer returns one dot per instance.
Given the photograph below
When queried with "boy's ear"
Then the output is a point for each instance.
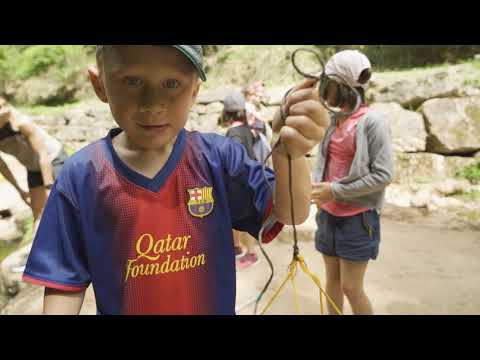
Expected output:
(97, 83)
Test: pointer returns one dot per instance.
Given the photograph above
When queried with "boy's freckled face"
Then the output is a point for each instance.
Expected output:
(150, 90)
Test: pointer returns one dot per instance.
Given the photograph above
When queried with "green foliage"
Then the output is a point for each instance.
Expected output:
(6, 250)
(21, 62)
(473, 195)
(408, 56)
(238, 64)
(47, 110)
(38, 59)
(471, 173)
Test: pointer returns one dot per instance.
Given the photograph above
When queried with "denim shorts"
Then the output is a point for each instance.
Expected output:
(354, 238)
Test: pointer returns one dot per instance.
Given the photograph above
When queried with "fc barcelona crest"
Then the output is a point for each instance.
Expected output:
(201, 201)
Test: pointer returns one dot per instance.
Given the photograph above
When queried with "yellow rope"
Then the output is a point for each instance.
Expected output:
(292, 279)
(316, 280)
(270, 302)
(292, 272)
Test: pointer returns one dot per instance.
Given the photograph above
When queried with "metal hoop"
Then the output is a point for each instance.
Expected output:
(322, 83)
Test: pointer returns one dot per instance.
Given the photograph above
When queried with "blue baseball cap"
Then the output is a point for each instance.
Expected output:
(194, 53)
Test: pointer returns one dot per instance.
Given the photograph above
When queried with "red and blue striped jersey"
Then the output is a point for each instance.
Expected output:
(152, 246)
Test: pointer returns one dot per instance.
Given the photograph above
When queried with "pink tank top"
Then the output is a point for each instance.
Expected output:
(341, 152)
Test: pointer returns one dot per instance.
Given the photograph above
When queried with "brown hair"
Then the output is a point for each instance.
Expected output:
(351, 100)
(365, 76)
(235, 116)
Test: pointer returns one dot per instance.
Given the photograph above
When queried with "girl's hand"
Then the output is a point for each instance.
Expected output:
(322, 193)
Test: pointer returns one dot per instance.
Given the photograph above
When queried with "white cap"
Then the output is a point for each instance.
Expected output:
(348, 65)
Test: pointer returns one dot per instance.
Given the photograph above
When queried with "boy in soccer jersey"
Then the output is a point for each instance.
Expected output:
(145, 214)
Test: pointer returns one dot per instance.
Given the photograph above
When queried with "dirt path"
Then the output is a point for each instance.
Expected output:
(421, 270)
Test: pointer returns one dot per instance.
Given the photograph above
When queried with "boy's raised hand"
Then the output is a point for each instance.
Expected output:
(306, 120)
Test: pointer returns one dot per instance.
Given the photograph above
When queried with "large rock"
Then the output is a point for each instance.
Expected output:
(3, 299)
(89, 113)
(47, 121)
(27, 302)
(214, 95)
(274, 96)
(449, 187)
(422, 198)
(9, 231)
(70, 133)
(411, 92)
(408, 127)
(437, 202)
(11, 200)
(199, 109)
(426, 167)
(398, 195)
(453, 124)
(429, 195)
(10, 270)
(82, 124)
(411, 168)
(192, 122)
(203, 123)
(215, 107)
(40, 91)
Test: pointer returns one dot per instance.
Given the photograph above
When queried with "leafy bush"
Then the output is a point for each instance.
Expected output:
(38, 59)
(407, 56)
(471, 173)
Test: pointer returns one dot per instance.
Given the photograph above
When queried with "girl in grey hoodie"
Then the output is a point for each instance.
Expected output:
(354, 166)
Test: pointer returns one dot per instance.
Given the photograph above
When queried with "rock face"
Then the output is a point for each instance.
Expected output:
(408, 127)
(204, 123)
(215, 95)
(11, 272)
(412, 92)
(13, 211)
(433, 196)
(41, 91)
(274, 96)
(399, 196)
(9, 232)
(453, 124)
(426, 167)
(79, 126)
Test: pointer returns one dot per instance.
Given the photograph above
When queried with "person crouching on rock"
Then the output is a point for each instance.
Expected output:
(34, 148)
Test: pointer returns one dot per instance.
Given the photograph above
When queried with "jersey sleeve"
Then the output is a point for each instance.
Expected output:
(57, 259)
(250, 193)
